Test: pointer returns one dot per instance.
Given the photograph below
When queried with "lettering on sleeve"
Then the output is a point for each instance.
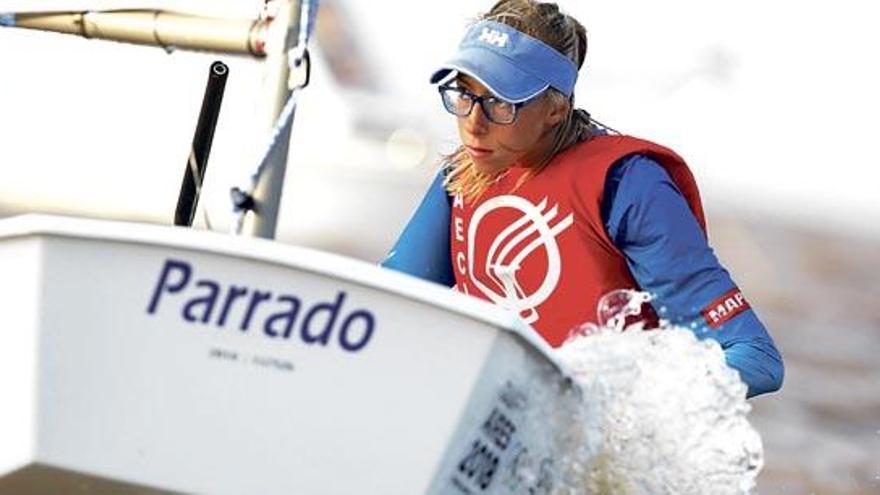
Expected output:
(725, 308)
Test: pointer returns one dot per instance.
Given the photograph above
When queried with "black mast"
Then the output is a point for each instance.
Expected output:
(197, 161)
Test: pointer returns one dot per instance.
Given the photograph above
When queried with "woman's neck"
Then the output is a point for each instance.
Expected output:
(540, 154)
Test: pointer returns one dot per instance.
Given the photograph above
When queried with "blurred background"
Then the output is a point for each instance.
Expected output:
(773, 105)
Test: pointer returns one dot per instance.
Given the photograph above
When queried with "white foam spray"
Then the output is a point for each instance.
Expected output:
(660, 412)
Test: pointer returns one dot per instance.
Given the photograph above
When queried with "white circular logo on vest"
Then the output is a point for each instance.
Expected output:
(532, 231)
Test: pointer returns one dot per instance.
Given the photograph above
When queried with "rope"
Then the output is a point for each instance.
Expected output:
(243, 201)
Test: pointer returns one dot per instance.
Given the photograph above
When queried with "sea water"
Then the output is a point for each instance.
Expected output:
(659, 412)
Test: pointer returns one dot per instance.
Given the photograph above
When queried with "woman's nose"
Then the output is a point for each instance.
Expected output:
(476, 121)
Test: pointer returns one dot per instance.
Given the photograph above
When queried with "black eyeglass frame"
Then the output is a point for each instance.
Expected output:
(474, 99)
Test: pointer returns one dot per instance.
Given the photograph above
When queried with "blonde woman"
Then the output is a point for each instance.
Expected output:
(543, 211)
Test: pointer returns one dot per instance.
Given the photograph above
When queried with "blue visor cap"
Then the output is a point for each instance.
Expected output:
(512, 65)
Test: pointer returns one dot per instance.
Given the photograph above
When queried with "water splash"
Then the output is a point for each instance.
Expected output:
(612, 312)
(662, 413)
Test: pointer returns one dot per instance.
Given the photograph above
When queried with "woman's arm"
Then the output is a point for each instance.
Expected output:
(422, 250)
(668, 254)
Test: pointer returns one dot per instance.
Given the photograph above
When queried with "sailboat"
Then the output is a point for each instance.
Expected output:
(147, 358)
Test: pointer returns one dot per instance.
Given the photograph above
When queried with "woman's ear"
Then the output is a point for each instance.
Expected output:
(559, 108)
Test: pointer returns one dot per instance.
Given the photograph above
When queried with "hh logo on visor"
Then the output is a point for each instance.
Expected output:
(494, 37)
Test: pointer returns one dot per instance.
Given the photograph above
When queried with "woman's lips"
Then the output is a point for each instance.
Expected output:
(477, 152)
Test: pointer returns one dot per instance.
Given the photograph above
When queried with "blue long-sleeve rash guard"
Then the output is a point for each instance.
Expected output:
(649, 220)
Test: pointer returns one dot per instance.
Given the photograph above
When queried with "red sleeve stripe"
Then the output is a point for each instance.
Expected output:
(725, 308)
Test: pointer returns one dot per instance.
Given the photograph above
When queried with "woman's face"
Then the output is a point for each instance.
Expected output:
(495, 147)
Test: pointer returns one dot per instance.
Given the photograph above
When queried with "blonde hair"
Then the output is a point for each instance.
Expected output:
(543, 21)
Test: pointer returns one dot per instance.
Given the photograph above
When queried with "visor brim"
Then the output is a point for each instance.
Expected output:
(499, 75)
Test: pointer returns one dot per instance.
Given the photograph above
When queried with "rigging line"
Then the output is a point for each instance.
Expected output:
(194, 168)
(243, 200)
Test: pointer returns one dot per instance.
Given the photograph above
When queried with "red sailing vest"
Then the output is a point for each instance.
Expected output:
(541, 250)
